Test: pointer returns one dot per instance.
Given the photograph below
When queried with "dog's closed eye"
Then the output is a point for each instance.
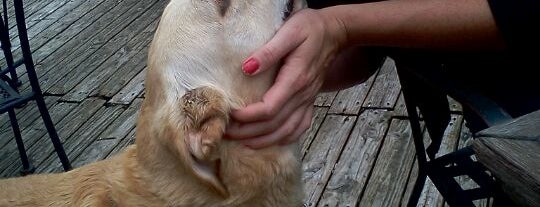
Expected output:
(288, 10)
(223, 6)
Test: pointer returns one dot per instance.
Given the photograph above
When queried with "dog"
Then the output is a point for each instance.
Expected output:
(179, 157)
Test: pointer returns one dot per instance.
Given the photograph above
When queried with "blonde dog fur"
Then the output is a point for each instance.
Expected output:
(180, 159)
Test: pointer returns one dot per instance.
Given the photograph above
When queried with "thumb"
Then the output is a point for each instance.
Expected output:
(285, 41)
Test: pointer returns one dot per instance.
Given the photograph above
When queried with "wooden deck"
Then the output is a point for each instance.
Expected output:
(90, 58)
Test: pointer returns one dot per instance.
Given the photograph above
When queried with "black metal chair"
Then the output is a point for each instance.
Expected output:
(425, 89)
(10, 98)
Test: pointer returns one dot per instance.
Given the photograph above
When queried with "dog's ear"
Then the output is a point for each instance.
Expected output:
(205, 118)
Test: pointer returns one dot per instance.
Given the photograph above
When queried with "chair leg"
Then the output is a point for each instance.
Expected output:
(6, 47)
(27, 166)
(32, 77)
(52, 133)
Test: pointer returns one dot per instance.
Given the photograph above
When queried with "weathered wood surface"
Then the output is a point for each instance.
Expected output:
(400, 110)
(350, 175)
(325, 99)
(130, 91)
(307, 139)
(511, 152)
(90, 57)
(430, 196)
(389, 176)
(323, 154)
(84, 136)
(31, 135)
(466, 139)
(80, 71)
(42, 148)
(526, 127)
(349, 101)
(386, 87)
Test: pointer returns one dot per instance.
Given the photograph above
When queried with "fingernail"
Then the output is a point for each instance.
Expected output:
(250, 66)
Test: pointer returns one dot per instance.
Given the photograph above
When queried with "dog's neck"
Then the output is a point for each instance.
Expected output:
(158, 177)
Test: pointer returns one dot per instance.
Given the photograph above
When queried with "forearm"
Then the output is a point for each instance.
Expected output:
(441, 24)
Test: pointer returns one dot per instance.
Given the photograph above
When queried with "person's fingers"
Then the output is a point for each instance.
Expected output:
(284, 131)
(288, 82)
(270, 54)
(238, 130)
(304, 125)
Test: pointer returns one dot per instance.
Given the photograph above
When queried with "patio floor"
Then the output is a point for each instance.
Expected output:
(90, 57)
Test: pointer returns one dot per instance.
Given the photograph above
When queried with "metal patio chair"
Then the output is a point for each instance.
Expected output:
(10, 98)
(425, 90)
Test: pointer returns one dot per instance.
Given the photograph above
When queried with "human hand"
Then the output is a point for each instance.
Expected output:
(307, 43)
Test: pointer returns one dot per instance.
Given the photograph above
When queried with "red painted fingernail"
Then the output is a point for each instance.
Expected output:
(250, 66)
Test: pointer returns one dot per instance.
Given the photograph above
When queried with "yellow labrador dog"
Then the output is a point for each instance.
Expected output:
(179, 158)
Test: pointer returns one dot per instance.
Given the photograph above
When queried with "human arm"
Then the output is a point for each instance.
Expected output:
(312, 39)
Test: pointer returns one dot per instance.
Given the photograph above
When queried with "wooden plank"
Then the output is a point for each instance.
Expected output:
(130, 91)
(25, 116)
(466, 139)
(430, 196)
(89, 22)
(325, 99)
(74, 41)
(124, 124)
(42, 148)
(56, 22)
(524, 127)
(122, 65)
(113, 85)
(323, 154)
(107, 140)
(386, 89)
(134, 27)
(318, 116)
(355, 163)
(31, 134)
(455, 107)
(516, 163)
(128, 140)
(400, 109)
(83, 137)
(388, 180)
(411, 181)
(59, 22)
(112, 136)
(29, 9)
(78, 50)
(36, 22)
(349, 101)
(510, 152)
(40, 16)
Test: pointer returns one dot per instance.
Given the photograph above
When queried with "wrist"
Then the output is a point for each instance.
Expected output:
(336, 28)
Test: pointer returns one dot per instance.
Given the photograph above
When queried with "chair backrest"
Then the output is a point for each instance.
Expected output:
(8, 74)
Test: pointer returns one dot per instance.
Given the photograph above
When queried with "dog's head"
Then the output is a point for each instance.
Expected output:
(203, 43)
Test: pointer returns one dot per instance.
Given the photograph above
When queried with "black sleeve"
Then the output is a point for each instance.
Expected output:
(518, 22)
